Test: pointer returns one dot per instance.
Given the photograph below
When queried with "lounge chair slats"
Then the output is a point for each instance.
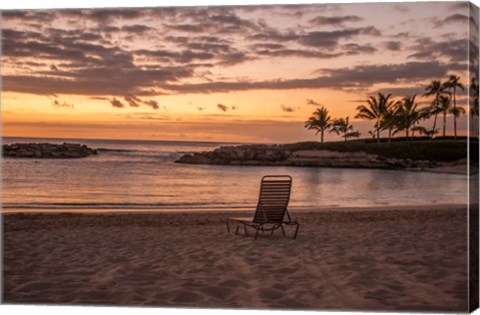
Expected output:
(271, 212)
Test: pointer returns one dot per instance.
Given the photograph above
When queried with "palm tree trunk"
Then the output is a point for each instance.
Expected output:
(454, 114)
(378, 135)
(389, 134)
(321, 133)
(435, 119)
(444, 123)
(434, 124)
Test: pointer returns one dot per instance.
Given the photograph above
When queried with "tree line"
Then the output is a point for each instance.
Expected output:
(400, 116)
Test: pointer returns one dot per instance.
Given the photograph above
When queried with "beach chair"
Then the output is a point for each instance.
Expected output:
(271, 212)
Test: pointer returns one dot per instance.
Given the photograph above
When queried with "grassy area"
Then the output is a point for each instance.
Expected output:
(436, 150)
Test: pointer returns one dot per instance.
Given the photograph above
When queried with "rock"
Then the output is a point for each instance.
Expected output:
(239, 155)
(47, 150)
(260, 154)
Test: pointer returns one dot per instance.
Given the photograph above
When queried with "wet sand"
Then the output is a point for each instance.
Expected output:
(341, 260)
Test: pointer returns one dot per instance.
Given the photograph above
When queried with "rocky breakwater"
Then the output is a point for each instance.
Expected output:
(239, 155)
(281, 155)
(47, 150)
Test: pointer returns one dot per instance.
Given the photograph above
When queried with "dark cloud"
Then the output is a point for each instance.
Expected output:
(318, 39)
(222, 107)
(214, 22)
(57, 103)
(30, 15)
(312, 102)
(393, 45)
(53, 68)
(116, 103)
(153, 104)
(335, 20)
(136, 29)
(426, 48)
(326, 39)
(455, 18)
(108, 15)
(133, 101)
(287, 109)
(297, 53)
(233, 58)
(269, 46)
(343, 78)
(356, 49)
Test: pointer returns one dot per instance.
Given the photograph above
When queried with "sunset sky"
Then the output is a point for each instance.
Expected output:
(246, 74)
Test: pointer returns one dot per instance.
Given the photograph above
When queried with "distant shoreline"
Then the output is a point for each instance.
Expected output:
(438, 156)
(299, 209)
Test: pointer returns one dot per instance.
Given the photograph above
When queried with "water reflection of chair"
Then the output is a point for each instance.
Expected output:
(271, 208)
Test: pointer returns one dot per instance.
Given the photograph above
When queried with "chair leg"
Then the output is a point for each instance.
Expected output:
(283, 230)
(256, 233)
(296, 231)
(236, 230)
(245, 230)
(228, 228)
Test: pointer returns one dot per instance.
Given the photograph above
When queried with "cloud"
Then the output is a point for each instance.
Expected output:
(57, 103)
(287, 109)
(335, 20)
(344, 78)
(393, 45)
(313, 103)
(153, 104)
(133, 101)
(426, 48)
(136, 29)
(222, 107)
(116, 103)
(456, 18)
(356, 49)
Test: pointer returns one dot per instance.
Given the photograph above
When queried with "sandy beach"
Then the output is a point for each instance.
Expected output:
(404, 259)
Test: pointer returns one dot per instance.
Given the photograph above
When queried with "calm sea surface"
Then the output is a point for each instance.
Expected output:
(143, 175)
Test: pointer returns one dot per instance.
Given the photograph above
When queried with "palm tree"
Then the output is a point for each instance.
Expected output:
(428, 132)
(390, 120)
(452, 83)
(474, 88)
(376, 110)
(445, 105)
(424, 113)
(320, 121)
(407, 115)
(436, 88)
(457, 112)
(342, 126)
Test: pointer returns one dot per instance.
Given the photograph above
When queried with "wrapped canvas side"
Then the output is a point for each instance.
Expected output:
(473, 165)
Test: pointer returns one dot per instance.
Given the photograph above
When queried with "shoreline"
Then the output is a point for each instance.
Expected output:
(365, 260)
(298, 209)
(333, 155)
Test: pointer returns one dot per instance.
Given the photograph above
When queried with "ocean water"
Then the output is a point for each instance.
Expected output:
(143, 175)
